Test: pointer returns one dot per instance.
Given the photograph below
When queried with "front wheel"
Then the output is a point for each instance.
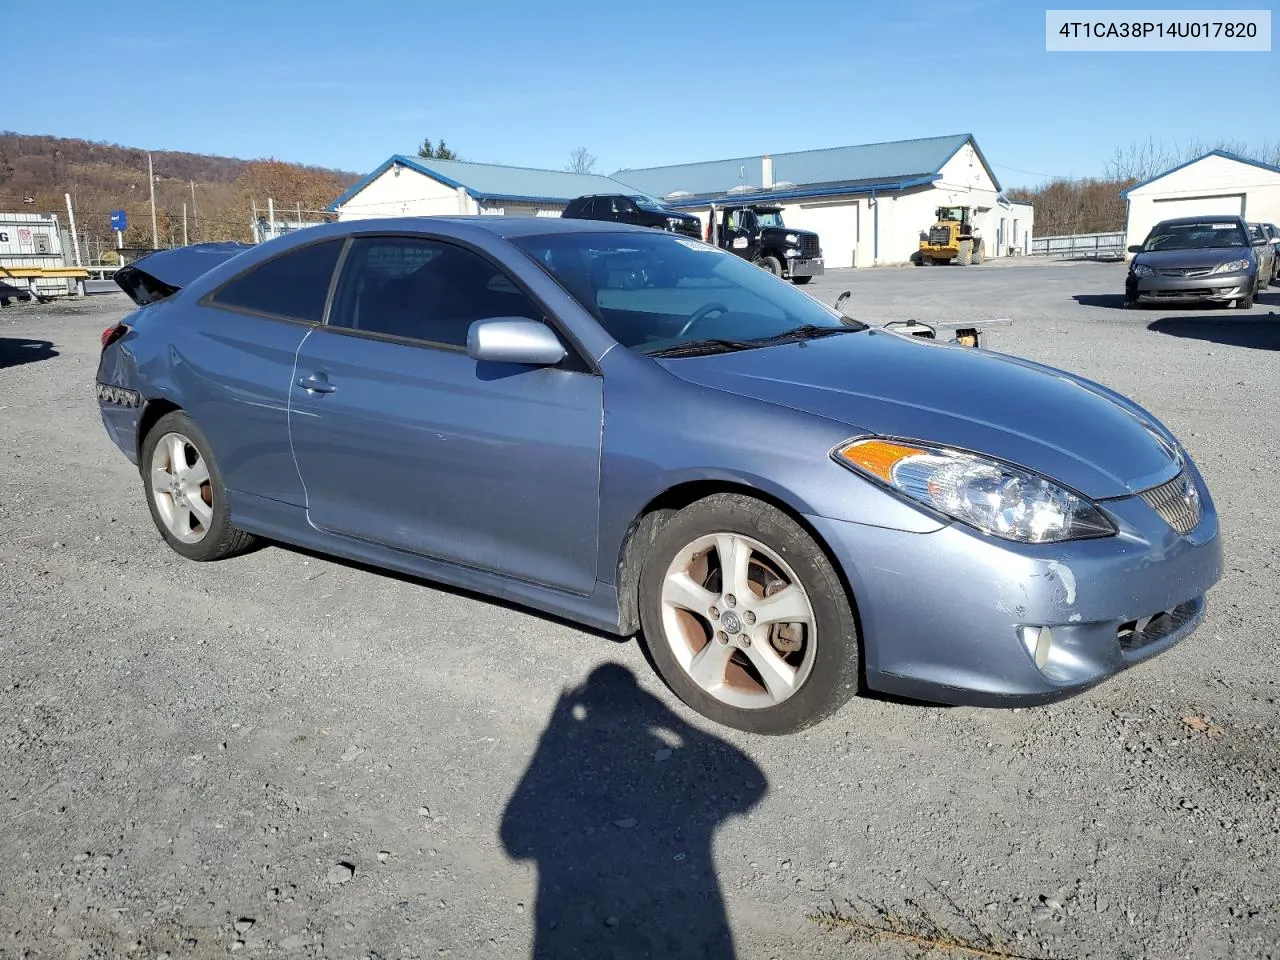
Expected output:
(801, 280)
(1246, 303)
(771, 264)
(745, 618)
(185, 492)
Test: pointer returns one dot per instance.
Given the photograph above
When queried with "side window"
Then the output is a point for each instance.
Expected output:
(588, 208)
(421, 289)
(294, 286)
(624, 206)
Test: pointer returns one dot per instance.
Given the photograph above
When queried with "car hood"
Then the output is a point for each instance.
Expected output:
(165, 272)
(899, 386)
(1182, 259)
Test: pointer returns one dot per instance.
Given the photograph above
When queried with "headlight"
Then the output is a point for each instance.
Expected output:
(1142, 270)
(1232, 266)
(792, 238)
(791, 252)
(996, 498)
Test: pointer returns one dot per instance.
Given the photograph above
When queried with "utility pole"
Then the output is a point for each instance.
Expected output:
(195, 211)
(151, 182)
(184, 223)
(75, 240)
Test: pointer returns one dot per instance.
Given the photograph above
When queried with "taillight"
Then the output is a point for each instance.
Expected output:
(113, 333)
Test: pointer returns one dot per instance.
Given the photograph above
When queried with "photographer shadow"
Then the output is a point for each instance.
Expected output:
(618, 808)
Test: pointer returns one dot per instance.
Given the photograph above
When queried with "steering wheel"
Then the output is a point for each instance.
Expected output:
(702, 313)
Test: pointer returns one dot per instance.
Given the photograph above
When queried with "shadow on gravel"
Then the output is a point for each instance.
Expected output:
(15, 351)
(618, 809)
(1242, 330)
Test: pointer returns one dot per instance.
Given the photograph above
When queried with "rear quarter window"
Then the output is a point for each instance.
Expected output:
(293, 286)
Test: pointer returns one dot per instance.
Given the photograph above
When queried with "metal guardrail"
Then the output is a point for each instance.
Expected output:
(1082, 246)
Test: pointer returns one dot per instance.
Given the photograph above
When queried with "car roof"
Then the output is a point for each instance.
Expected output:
(1174, 221)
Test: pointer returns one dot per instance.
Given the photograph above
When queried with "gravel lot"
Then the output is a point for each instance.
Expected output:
(283, 755)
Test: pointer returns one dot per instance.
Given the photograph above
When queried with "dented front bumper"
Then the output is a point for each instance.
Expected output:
(954, 616)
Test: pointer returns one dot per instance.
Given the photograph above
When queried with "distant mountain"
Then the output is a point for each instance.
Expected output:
(102, 177)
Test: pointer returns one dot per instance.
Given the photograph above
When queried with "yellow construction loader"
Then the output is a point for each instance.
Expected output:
(953, 238)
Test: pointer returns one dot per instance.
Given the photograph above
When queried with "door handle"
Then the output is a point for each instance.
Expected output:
(317, 383)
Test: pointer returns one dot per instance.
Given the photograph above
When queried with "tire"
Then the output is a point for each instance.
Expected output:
(979, 252)
(813, 661)
(1246, 303)
(771, 264)
(966, 253)
(801, 280)
(192, 517)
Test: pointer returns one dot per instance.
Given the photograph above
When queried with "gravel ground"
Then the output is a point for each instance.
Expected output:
(283, 755)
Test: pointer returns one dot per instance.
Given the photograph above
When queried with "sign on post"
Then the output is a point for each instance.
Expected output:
(118, 221)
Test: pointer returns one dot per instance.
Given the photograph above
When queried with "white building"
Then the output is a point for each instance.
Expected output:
(1216, 184)
(869, 203)
(415, 187)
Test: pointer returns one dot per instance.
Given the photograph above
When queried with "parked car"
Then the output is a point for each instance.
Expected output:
(1197, 260)
(635, 209)
(1265, 247)
(647, 434)
(1273, 238)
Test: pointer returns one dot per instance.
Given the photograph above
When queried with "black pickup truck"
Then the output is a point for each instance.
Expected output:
(756, 232)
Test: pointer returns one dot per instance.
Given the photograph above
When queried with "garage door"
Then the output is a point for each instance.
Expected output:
(836, 225)
(1222, 205)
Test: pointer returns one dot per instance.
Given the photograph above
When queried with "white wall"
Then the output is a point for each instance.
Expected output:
(409, 194)
(1213, 185)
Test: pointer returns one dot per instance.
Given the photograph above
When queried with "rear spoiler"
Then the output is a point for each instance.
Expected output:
(165, 272)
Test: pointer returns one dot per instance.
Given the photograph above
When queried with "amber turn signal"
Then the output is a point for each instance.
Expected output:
(878, 457)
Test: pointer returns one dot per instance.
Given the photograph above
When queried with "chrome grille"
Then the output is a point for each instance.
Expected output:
(1189, 273)
(1177, 502)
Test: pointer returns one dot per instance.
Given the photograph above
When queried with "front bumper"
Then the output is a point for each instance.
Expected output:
(1219, 288)
(812, 267)
(944, 614)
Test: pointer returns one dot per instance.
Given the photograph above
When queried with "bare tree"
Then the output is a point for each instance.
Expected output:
(580, 160)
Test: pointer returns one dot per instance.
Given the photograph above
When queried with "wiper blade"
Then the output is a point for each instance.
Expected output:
(711, 345)
(811, 331)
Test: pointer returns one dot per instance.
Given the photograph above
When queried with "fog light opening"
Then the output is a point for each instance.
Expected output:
(1039, 643)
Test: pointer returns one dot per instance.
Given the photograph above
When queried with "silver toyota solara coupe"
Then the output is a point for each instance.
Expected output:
(639, 432)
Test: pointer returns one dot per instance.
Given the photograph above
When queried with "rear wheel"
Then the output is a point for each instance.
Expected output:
(771, 264)
(966, 253)
(745, 618)
(185, 493)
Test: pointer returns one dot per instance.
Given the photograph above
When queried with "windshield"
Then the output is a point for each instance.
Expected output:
(1257, 231)
(1207, 234)
(644, 203)
(770, 218)
(655, 293)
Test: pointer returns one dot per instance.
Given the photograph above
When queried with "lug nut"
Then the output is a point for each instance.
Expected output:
(722, 637)
(730, 600)
(715, 613)
(746, 641)
(749, 617)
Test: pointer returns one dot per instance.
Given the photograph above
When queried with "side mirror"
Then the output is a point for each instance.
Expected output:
(1260, 242)
(514, 340)
(1136, 248)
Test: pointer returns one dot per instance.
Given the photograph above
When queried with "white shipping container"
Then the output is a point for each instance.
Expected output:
(33, 240)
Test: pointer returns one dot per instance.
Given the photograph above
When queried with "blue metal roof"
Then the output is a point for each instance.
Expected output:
(491, 181)
(903, 162)
(1226, 154)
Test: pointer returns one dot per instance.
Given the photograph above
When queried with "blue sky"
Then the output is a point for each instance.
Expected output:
(347, 84)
